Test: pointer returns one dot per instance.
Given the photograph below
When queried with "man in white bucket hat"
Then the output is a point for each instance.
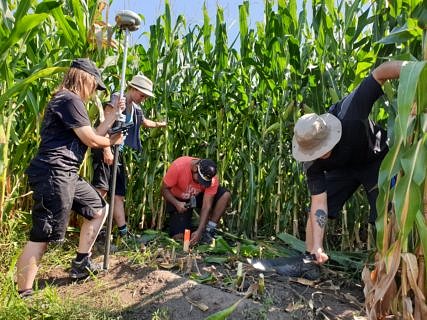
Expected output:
(340, 151)
(139, 89)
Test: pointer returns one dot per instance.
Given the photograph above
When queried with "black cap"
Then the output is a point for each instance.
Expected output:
(87, 65)
(206, 170)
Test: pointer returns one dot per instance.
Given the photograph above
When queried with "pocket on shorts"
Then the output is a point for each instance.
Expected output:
(42, 216)
(42, 186)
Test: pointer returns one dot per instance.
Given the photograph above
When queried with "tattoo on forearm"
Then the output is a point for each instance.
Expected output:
(321, 217)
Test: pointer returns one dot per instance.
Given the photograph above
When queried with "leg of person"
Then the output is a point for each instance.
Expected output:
(178, 222)
(119, 200)
(52, 195)
(120, 216)
(28, 265)
(88, 203)
(101, 181)
(370, 184)
(220, 203)
(101, 173)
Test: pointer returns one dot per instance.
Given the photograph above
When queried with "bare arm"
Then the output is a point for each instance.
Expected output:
(387, 70)
(168, 196)
(317, 223)
(147, 123)
(89, 137)
(204, 216)
(204, 212)
(110, 114)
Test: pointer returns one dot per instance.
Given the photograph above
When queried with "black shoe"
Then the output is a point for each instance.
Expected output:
(207, 237)
(303, 266)
(84, 268)
(101, 236)
(267, 264)
(25, 293)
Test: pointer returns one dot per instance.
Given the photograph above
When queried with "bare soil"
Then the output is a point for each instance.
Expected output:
(163, 290)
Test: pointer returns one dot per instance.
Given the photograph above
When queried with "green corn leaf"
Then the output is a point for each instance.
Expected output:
(414, 161)
(407, 199)
(204, 278)
(408, 31)
(408, 82)
(67, 30)
(80, 12)
(390, 166)
(216, 259)
(222, 245)
(19, 86)
(47, 6)
(22, 9)
(422, 231)
(224, 314)
(292, 241)
(22, 27)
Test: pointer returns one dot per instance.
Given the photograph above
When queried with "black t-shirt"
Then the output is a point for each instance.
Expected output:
(361, 143)
(60, 148)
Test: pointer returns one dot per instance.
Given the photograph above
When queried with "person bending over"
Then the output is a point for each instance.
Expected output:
(192, 183)
(341, 150)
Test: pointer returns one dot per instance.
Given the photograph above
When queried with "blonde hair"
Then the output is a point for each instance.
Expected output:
(80, 82)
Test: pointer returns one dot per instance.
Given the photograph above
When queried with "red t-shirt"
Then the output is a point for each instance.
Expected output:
(179, 179)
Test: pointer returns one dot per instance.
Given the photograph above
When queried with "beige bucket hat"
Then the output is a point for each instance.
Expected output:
(143, 84)
(315, 135)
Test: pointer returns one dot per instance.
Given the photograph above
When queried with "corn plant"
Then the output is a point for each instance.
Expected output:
(402, 231)
(234, 104)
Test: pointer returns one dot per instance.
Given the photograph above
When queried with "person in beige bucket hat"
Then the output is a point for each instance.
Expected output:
(143, 84)
(139, 89)
(315, 135)
(340, 151)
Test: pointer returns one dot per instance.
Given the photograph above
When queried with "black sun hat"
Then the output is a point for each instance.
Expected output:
(206, 170)
(89, 66)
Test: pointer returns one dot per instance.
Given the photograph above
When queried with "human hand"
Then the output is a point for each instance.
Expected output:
(181, 207)
(116, 138)
(321, 256)
(120, 105)
(195, 237)
(161, 124)
(108, 156)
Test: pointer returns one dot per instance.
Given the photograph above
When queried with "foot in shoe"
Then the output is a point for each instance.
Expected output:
(84, 268)
(25, 293)
(207, 238)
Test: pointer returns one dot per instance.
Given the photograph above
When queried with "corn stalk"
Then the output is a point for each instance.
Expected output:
(397, 285)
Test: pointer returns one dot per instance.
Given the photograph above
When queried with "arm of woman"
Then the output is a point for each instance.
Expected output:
(89, 137)
(111, 113)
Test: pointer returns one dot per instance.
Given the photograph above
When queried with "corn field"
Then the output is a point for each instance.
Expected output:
(235, 101)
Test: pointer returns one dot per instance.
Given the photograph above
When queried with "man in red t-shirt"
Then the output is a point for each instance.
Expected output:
(192, 183)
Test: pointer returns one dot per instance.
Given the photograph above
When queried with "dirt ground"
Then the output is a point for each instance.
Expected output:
(166, 291)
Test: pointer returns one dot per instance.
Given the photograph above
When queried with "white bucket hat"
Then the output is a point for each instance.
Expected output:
(315, 135)
(143, 84)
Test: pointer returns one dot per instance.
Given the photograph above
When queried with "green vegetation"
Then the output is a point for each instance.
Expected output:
(235, 104)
